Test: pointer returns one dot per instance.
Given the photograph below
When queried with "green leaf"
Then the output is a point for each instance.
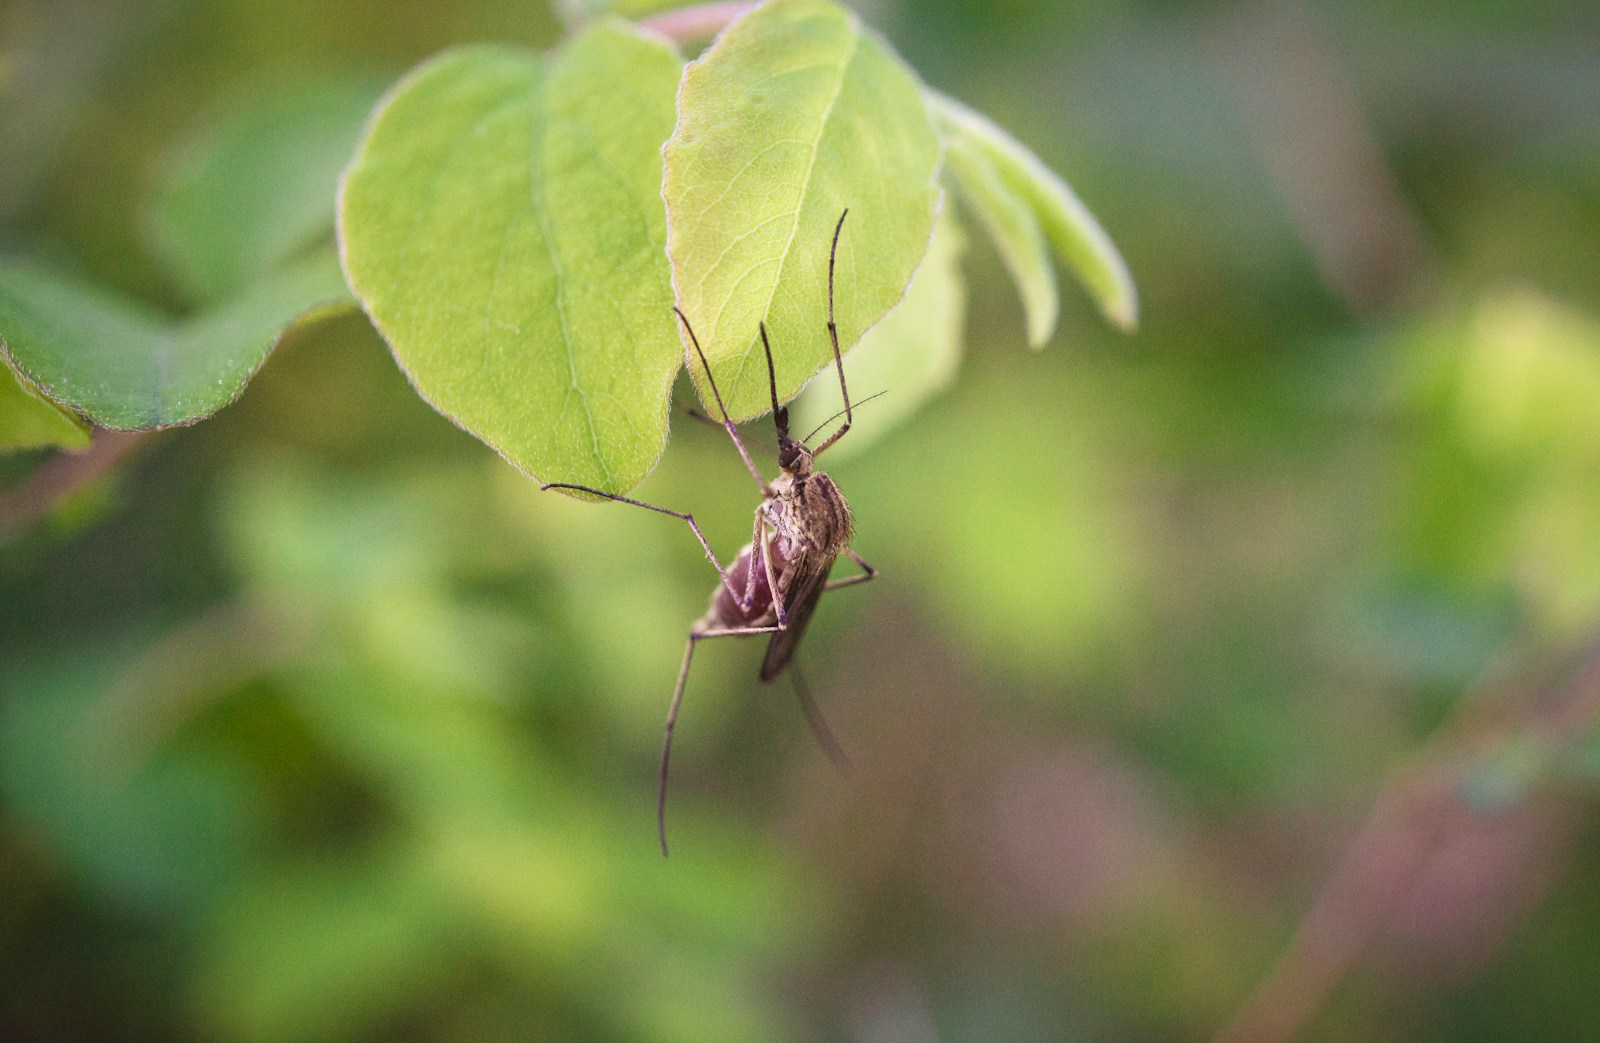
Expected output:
(502, 224)
(1014, 229)
(912, 354)
(793, 115)
(126, 367)
(30, 421)
(1072, 230)
(254, 188)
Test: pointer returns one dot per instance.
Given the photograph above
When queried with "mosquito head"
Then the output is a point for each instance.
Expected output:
(794, 458)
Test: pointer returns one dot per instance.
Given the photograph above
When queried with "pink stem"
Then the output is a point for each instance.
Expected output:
(700, 22)
(60, 476)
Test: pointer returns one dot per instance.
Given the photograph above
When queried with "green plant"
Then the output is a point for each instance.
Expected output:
(518, 226)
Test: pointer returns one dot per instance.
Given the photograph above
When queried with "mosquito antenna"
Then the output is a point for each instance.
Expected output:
(833, 337)
(780, 415)
(835, 416)
(727, 424)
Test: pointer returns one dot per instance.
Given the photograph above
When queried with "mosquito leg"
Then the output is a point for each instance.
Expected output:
(868, 573)
(819, 726)
(744, 454)
(772, 577)
(672, 717)
(727, 580)
(750, 573)
(727, 424)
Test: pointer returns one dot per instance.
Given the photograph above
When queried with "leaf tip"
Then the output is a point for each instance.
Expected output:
(1122, 309)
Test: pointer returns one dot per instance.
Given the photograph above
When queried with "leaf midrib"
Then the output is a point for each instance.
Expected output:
(800, 204)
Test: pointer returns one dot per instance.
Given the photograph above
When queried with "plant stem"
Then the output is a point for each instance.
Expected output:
(1411, 822)
(700, 22)
(59, 477)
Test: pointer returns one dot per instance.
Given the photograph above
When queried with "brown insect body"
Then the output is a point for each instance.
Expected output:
(802, 525)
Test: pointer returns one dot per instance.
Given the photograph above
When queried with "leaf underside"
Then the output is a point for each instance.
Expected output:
(502, 225)
(795, 114)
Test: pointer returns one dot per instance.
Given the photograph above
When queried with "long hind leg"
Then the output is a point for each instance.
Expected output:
(672, 716)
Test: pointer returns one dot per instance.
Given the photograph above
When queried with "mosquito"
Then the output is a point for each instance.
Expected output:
(802, 525)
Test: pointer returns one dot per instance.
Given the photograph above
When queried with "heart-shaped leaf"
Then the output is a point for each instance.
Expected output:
(502, 225)
(795, 114)
(124, 366)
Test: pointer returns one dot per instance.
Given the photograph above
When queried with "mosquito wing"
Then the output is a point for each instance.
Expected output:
(807, 587)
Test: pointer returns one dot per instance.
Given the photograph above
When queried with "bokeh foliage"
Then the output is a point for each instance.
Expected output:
(318, 721)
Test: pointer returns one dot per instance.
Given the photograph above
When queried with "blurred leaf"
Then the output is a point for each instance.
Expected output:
(912, 354)
(1013, 228)
(325, 951)
(1076, 235)
(1498, 779)
(1023, 561)
(1530, 377)
(153, 829)
(30, 421)
(1505, 497)
(316, 535)
(795, 114)
(125, 367)
(502, 225)
(679, 1002)
(247, 192)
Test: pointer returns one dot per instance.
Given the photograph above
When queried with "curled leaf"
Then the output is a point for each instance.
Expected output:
(1077, 237)
(1014, 229)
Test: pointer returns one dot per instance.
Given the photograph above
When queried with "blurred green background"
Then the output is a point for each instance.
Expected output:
(318, 722)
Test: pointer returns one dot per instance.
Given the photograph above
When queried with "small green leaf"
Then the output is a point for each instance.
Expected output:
(254, 188)
(502, 224)
(1076, 235)
(912, 354)
(795, 114)
(1014, 229)
(125, 367)
(30, 421)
